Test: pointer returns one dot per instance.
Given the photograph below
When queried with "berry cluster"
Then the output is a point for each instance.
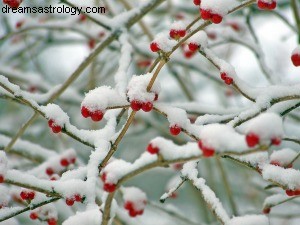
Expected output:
(154, 46)
(96, 115)
(187, 52)
(108, 187)
(75, 198)
(133, 208)
(136, 105)
(207, 14)
(227, 79)
(253, 139)
(13, 3)
(1, 178)
(67, 161)
(292, 192)
(266, 5)
(27, 195)
(35, 215)
(206, 150)
(55, 127)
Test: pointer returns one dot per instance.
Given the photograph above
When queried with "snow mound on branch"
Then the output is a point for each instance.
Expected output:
(178, 25)
(286, 177)
(102, 97)
(137, 88)
(136, 195)
(54, 112)
(266, 126)
(3, 163)
(249, 220)
(284, 156)
(4, 196)
(218, 7)
(116, 169)
(255, 159)
(164, 42)
(199, 39)
(89, 217)
(175, 115)
(222, 137)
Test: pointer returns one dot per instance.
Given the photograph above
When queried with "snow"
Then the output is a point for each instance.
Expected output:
(164, 42)
(3, 163)
(249, 220)
(289, 178)
(200, 39)
(4, 196)
(136, 196)
(296, 50)
(90, 217)
(175, 116)
(266, 126)
(137, 88)
(218, 7)
(54, 112)
(284, 156)
(178, 25)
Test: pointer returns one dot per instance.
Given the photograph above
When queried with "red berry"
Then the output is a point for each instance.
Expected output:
(64, 162)
(69, 201)
(19, 24)
(216, 18)
(272, 5)
(228, 80)
(13, 3)
(140, 212)
(52, 221)
(174, 34)
(49, 171)
(297, 192)
(155, 97)
(85, 112)
(73, 160)
(31, 195)
(289, 166)
(128, 205)
(33, 215)
(252, 139)
(154, 47)
(1, 178)
(82, 17)
(200, 145)
(261, 5)
(133, 213)
(197, 2)
(296, 59)
(207, 151)
(103, 177)
(193, 47)
(56, 129)
(135, 105)
(97, 115)
(174, 195)
(147, 106)
(276, 141)
(24, 195)
(152, 150)
(175, 129)
(290, 192)
(205, 14)
(50, 123)
(77, 198)
(223, 76)
(181, 33)
(266, 210)
(92, 43)
(189, 54)
(108, 187)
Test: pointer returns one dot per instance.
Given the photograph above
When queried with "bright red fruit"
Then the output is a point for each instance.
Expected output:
(208, 152)
(128, 205)
(266, 210)
(276, 141)
(155, 97)
(103, 177)
(154, 47)
(135, 105)
(266, 5)
(24, 195)
(85, 112)
(152, 150)
(77, 198)
(64, 162)
(223, 76)
(55, 128)
(216, 18)
(1, 178)
(31, 195)
(290, 192)
(97, 115)
(49, 171)
(296, 59)
(205, 14)
(252, 139)
(52, 221)
(13, 3)
(147, 106)
(197, 2)
(33, 216)
(92, 43)
(193, 47)
(108, 187)
(69, 201)
(228, 80)
(175, 129)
